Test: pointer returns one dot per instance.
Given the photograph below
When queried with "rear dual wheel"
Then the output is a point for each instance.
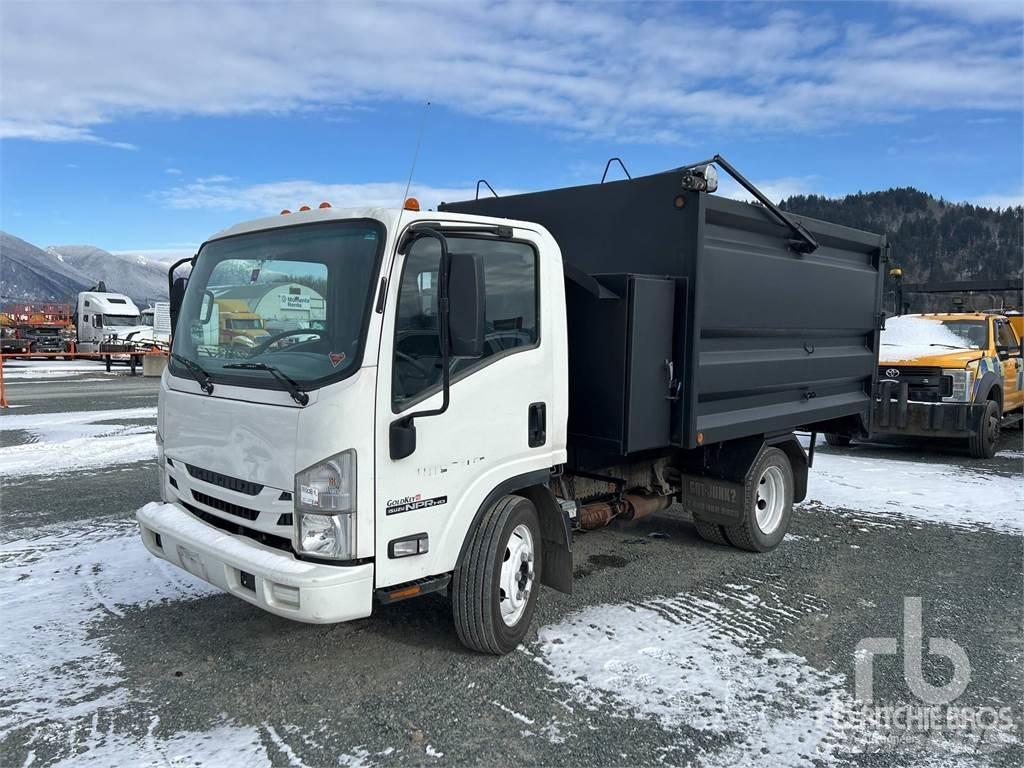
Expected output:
(767, 507)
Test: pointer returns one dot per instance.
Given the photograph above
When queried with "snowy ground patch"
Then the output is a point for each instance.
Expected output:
(53, 589)
(939, 493)
(64, 442)
(702, 663)
(46, 369)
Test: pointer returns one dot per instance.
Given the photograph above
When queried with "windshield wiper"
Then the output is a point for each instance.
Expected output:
(200, 375)
(297, 394)
(950, 346)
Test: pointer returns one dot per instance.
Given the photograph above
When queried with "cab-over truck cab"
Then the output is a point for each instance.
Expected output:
(467, 389)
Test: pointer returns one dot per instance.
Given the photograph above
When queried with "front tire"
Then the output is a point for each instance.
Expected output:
(767, 503)
(982, 442)
(495, 586)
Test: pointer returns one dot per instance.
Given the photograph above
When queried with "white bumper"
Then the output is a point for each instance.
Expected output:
(320, 594)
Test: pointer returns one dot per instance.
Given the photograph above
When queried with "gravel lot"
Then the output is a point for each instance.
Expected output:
(671, 651)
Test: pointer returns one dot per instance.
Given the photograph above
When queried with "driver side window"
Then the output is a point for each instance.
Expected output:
(510, 308)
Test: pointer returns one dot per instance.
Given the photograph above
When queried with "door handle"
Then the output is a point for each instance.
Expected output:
(536, 424)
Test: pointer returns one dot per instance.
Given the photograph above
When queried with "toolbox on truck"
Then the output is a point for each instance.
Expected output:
(695, 319)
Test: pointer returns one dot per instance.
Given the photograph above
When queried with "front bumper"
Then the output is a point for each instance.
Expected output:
(907, 417)
(294, 589)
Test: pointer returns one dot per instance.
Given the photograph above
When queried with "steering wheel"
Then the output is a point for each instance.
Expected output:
(262, 347)
(424, 372)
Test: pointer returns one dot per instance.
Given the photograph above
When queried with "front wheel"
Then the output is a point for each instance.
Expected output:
(982, 442)
(494, 588)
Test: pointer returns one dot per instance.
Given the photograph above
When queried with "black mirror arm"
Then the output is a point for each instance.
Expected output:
(170, 272)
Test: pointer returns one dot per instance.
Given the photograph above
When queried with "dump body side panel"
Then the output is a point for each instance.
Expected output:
(783, 339)
(765, 339)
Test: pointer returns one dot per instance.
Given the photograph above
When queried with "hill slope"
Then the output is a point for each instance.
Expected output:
(30, 273)
(932, 240)
(131, 275)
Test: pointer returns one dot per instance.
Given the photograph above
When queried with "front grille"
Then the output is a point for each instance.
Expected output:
(269, 539)
(225, 506)
(224, 481)
(924, 385)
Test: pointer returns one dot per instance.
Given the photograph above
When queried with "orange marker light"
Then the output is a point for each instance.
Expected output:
(304, 208)
(325, 205)
(412, 204)
(285, 212)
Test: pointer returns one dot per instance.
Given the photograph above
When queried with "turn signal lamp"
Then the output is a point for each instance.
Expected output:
(411, 204)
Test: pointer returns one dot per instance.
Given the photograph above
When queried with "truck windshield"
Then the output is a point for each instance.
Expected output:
(303, 293)
(120, 321)
(973, 333)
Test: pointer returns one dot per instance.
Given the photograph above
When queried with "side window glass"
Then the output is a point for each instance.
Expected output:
(510, 300)
(1006, 337)
(417, 365)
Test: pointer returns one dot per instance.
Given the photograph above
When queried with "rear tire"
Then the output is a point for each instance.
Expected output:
(836, 440)
(983, 442)
(767, 504)
(711, 532)
(495, 586)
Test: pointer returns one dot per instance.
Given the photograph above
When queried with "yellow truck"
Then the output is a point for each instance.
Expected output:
(949, 375)
(239, 325)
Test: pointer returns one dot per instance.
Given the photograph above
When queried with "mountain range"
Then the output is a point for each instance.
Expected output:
(59, 272)
(932, 240)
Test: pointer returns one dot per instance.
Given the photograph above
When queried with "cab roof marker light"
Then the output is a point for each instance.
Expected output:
(304, 208)
(285, 212)
(324, 204)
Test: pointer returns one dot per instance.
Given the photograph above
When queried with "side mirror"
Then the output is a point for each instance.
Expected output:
(176, 297)
(465, 305)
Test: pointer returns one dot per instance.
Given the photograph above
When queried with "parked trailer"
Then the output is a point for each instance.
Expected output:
(493, 376)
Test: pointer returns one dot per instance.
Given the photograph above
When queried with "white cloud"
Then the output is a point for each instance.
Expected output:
(594, 70)
(774, 189)
(172, 171)
(997, 200)
(222, 193)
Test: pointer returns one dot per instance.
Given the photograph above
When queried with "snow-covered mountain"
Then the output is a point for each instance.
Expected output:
(143, 280)
(29, 273)
(59, 272)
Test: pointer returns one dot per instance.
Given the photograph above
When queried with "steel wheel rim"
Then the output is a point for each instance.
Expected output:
(516, 580)
(770, 500)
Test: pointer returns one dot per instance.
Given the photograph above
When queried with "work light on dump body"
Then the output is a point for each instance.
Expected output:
(325, 508)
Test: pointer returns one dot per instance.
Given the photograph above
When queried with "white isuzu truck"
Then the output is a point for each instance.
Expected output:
(488, 378)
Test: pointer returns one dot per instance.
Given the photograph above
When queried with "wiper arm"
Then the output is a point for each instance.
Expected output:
(200, 375)
(297, 394)
(948, 346)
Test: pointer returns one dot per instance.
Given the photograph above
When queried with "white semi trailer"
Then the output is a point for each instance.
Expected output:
(490, 377)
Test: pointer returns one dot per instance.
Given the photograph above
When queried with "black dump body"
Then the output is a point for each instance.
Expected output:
(692, 321)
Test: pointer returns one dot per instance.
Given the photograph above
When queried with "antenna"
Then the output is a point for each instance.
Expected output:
(415, 155)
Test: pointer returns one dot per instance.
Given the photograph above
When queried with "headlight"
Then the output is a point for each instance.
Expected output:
(963, 384)
(325, 508)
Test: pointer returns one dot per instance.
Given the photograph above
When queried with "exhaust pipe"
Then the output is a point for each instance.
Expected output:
(632, 507)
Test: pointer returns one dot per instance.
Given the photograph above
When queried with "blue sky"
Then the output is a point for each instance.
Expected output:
(148, 126)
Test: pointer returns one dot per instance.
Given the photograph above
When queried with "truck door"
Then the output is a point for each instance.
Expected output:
(1009, 351)
(498, 423)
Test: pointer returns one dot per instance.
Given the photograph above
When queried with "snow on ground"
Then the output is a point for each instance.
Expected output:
(64, 442)
(908, 337)
(939, 493)
(54, 589)
(44, 369)
(700, 661)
